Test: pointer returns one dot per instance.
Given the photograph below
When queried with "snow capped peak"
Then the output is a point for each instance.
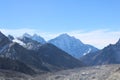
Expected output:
(38, 38)
(64, 35)
(34, 37)
(67, 39)
(72, 45)
(27, 35)
(18, 41)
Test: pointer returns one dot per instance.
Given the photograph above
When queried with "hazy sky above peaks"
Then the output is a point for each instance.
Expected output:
(59, 16)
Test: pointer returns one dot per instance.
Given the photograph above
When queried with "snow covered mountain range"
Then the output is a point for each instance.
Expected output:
(41, 57)
(67, 43)
(35, 37)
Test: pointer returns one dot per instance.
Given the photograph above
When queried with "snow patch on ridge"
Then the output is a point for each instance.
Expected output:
(19, 42)
(89, 50)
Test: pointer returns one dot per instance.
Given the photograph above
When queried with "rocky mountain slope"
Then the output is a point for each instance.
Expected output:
(29, 43)
(46, 58)
(72, 45)
(67, 43)
(15, 65)
(50, 54)
(108, 55)
(104, 72)
(34, 37)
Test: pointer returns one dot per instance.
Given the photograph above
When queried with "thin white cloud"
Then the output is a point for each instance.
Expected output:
(17, 32)
(97, 38)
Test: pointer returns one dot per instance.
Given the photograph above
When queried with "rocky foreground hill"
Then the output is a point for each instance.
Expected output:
(104, 72)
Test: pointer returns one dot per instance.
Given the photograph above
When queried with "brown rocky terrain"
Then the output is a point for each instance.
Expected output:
(104, 72)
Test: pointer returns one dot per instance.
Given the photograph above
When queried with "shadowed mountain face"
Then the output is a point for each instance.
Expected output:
(15, 65)
(3, 40)
(108, 55)
(46, 58)
(72, 45)
(16, 52)
(50, 54)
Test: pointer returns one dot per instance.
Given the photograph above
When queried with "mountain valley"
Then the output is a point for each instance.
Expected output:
(62, 58)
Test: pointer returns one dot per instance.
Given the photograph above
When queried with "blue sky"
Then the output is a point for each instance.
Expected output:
(56, 16)
(60, 15)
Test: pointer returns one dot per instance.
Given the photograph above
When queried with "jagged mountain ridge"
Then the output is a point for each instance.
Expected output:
(72, 45)
(67, 43)
(108, 55)
(37, 60)
(29, 43)
(34, 37)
